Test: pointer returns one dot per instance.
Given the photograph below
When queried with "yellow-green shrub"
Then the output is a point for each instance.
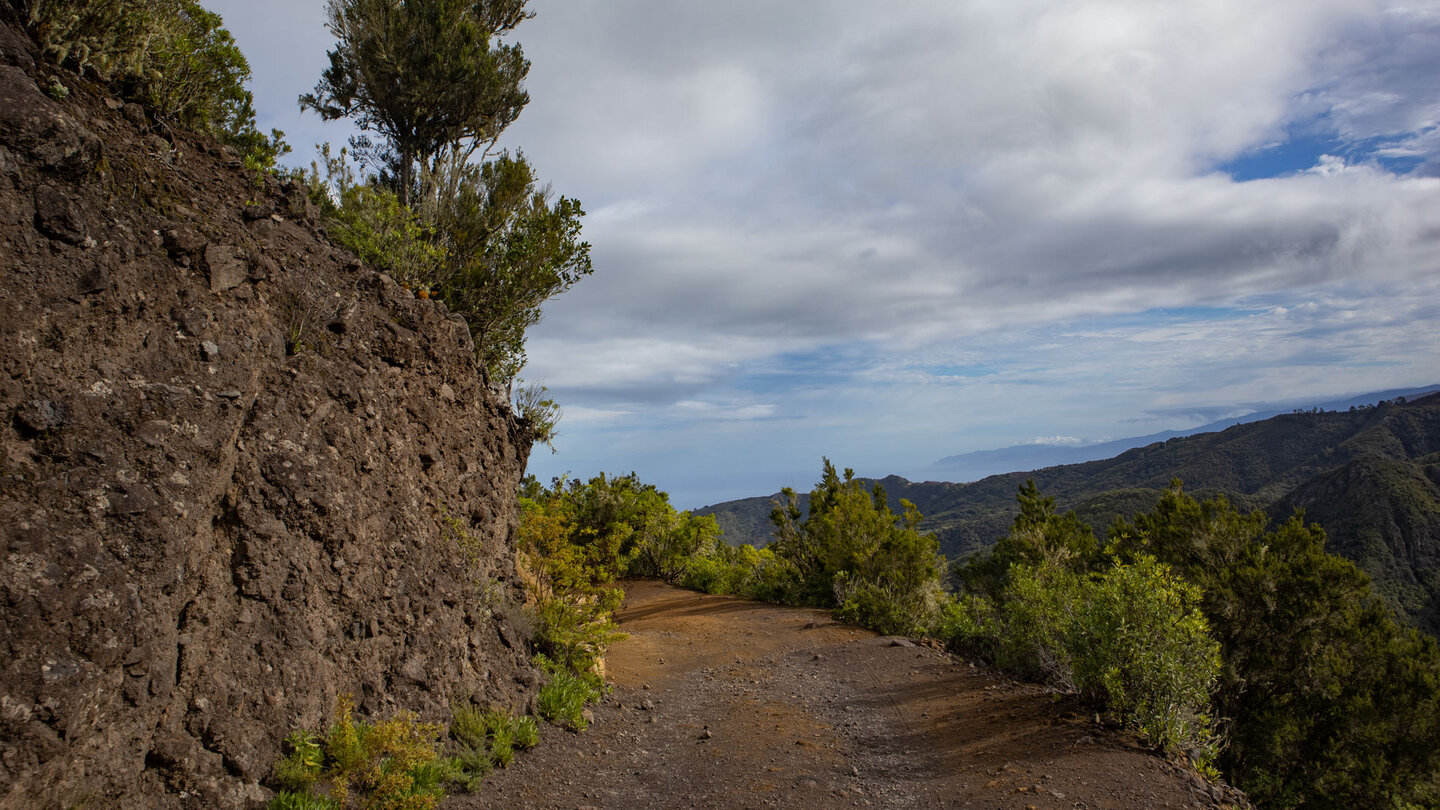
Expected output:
(392, 765)
(564, 697)
(1140, 643)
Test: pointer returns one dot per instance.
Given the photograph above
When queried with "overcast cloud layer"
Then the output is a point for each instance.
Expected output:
(889, 233)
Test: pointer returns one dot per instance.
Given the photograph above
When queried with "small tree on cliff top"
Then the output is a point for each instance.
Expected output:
(424, 75)
(428, 78)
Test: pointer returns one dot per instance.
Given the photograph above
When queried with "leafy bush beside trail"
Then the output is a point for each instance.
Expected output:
(1254, 651)
(852, 553)
(1130, 638)
(1329, 701)
(1321, 698)
(362, 764)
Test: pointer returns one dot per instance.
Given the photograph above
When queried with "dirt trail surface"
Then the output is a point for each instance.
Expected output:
(720, 702)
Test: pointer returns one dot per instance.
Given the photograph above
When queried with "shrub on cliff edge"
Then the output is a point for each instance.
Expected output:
(173, 56)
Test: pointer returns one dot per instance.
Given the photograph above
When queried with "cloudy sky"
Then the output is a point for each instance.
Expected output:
(892, 232)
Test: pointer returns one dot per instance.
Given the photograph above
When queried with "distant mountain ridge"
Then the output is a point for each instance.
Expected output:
(981, 463)
(1370, 475)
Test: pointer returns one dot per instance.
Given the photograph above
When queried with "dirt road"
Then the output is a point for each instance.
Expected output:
(721, 703)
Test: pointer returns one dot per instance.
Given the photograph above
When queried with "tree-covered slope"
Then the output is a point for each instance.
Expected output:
(1384, 514)
(1367, 475)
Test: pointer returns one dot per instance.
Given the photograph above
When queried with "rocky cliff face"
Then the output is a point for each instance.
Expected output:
(233, 463)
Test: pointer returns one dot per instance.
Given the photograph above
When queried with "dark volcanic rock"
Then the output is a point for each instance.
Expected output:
(57, 216)
(16, 48)
(216, 514)
(44, 129)
(226, 266)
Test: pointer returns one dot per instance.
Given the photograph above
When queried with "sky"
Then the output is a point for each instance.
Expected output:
(887, 233)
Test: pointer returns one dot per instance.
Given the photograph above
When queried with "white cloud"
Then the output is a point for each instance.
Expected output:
(956, 225)
(1059, 441)
(724, 412)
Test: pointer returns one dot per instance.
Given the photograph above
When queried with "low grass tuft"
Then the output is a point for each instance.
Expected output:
(562, 701)
(485, 740)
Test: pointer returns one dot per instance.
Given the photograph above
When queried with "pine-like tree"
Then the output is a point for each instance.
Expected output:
(431, 80)
(423, 75)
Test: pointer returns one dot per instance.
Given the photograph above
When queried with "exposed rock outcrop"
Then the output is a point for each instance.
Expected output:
(230, 461)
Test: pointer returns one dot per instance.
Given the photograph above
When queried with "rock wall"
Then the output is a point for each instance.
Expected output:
(229, 460)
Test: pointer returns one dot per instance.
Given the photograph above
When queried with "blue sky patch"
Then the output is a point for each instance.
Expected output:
(1302, 151)
(1296, 154)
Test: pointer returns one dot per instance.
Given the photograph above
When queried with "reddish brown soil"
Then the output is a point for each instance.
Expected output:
(720, 702)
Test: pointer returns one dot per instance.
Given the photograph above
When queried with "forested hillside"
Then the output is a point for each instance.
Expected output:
(1384, 514)
(1367, 475)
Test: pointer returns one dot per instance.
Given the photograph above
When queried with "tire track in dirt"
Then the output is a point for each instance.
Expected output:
(720, 703)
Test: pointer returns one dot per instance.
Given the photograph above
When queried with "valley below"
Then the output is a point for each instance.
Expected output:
(719, 702)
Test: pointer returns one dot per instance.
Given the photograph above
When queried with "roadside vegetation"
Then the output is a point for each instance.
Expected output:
(569, 553)
(1255, 653)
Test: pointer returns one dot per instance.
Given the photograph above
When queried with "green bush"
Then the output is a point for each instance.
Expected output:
(302, 766)
(883, 607)
(496, 730)
(574, 541)
(577, 538)
(511, 246)
(486, 740)
(746, 571)
(385, 764)
(1325, 700)
(109, 39)
(197, 77)
(971, 623)
(853, 553)
(469, 766)
(392, 764)
(677, 539)
(173, 56)
(1140, 644)
(1130, 638)
(526, 732)
(539, 412)
(563, 699)
(298, 800)
(471, 726)
(722, 569)
(711, 574)
(1040, 534)
(1330, 701)
(368, 219)
(1032, 623)
(574, 632)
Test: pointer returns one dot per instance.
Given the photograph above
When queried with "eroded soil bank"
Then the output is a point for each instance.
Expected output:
(720, 702)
